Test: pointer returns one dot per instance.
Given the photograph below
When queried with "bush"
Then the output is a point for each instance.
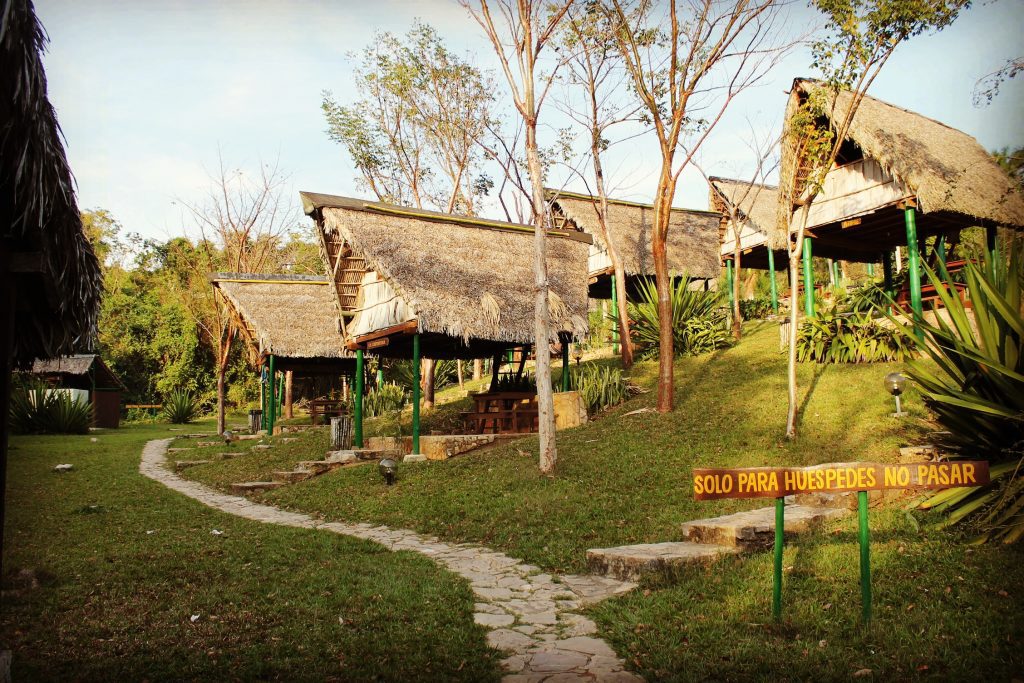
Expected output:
(385, 399)
(756, 309)
(400, 372)
(180, 407)
(698, 324)
(36, 409)
(510, 382)
(851, 338)
(975, 387)
(600, 386)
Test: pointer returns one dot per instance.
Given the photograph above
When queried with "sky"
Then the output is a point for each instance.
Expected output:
(150, 95)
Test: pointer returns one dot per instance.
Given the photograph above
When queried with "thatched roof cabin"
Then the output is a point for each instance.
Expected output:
(893, 156)
(692, 243)
(48, 265)
(755, 205)
(464, 284)
(292, 317)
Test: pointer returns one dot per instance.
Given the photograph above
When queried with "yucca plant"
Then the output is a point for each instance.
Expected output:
(975, 388)
(698, 323)
(600, 386)
(37, 409)
(66, 415)
(180, 407)
(851, 338)
(384, 399)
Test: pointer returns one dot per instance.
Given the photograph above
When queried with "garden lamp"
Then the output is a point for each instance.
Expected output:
(389, 470)
(894, 383)
(228, 436)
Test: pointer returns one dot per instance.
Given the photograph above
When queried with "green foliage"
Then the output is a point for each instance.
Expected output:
(600, 386)
(868, 297)
(975, 387)
(400, 372)
(756, 309)
(509, 381)
(850, 338)
(385, 399)
(180, 407)
(698, 325)
(37, 409)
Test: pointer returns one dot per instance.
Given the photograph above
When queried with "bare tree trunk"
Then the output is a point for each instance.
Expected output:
(221, 371)
(288, 379)
(478, 369)
(737, 318)
(663, 282)
(458, 370)
(427, 368)
(223, 356)
(794, 284)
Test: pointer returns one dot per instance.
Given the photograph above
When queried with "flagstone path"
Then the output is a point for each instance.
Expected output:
(531, 615)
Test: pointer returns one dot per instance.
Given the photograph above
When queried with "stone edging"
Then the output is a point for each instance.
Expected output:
(530, 614)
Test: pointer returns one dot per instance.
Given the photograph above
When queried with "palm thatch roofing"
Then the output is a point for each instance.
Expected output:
(78, 365)
(692, 242)
(463, 278)
(49, 264)
(949, 172)
(290, 316)
(754, 202)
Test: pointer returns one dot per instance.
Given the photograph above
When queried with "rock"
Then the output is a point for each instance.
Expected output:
(543, 618)
(493, 620)
(262, 447)
(586, 645)
(506, 639)
(183, 464)
(66, 467)
(753, 529)
(630, 562)
(578, 625)
(556, 661)
(248, 486)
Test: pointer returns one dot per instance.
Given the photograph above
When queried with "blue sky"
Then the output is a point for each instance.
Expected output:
(148, 92)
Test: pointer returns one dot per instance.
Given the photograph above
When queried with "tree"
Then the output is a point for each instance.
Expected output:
(686, 76)
(240, 226)
(860, 37)
(593, 66)
(527, 26)
(413, 134)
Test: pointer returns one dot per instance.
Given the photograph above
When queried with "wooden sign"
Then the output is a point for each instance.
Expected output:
(378, 343)
(776, 482)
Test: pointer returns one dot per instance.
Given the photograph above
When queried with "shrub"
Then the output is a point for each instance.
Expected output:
(868, 297)
(36, 409)
(975, 387)
(851, 338)
(600, 386)
(400, 373)
(698, 324)
(756, 309)
(511, 382)
(384, 399)
(180, 407)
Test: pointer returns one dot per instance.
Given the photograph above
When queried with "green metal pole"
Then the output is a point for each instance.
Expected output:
(565, 362)
(380, 376)
(730, 281)
(780, 527)
(990, 245)
(771, 279)
(615, 312)
(272, 398)
(871, 270)
(836, 272)
(416, 394)
(913, 264)
(263, 396)
(865, 557)
(940, 249)
(357, 405)
(808, 279)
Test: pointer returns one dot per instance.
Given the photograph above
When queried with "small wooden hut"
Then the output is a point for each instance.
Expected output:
(692, 243)
(291, 325)
(899, 178)
(50, 280)
(86, 373)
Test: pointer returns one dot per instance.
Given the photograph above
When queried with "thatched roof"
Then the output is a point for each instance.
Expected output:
(692, 235)
(755, 202)
(292, 316)
(77, 365)
(466, 278)
(52, 267)
(948, 170)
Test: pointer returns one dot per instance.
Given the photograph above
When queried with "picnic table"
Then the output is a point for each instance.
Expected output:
(502, 412)
(325, 407)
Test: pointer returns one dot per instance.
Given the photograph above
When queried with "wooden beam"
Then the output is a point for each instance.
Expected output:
(409, 327)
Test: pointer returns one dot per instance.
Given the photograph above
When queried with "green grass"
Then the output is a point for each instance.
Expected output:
(122, 563)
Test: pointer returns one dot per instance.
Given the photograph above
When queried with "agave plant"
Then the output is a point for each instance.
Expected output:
(975, 387)
(37, 409)
(180, 407)
(600, 386)
(384, 399)
(851, 338)
(698, 324)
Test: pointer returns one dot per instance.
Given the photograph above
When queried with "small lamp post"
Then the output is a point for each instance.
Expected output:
(389, 470)
(894, 383)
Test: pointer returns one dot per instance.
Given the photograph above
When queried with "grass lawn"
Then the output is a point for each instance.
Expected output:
(941, 608)
(121, 565)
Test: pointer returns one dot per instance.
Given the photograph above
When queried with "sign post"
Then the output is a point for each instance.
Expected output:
(779, 482)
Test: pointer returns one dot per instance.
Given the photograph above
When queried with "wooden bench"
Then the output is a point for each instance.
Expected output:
(325, 408)
(515, 421)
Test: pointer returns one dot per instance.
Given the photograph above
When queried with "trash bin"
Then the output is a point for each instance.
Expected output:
(255, 421)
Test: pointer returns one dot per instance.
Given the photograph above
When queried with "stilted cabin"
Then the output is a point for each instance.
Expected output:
(899, 179)
(291, 325)
(692, 243)
(88, 379)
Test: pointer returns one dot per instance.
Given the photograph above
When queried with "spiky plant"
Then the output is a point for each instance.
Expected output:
(698, 323)
(180, 407)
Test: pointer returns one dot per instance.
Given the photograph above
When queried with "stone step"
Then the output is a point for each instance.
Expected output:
(262, 447)
(320, 466)
(228, 455)
(249, 486)
(340, 456)
(182, 464)
(754, 529)
(631, 562)
(294, 476)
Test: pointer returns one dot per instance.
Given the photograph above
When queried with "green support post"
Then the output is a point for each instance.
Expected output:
(272, 398)
(913, 265)
(729, 282)
(280, 394)
(416, 394)
(380, 376)
(808, 279)
(990, 247)
(865, 557)
(357, 405)
(264, 413)
(871, 271)
(940, 249)
(771, 279)
(565, 362)
(780, 527)
(836, 274)
(615, 313)
(887, 272)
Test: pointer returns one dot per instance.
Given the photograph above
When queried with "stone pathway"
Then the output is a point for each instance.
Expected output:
(531, 615)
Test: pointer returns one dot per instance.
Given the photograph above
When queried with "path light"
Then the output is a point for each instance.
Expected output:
(389, 470)
(894, 383)
(228, 436)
